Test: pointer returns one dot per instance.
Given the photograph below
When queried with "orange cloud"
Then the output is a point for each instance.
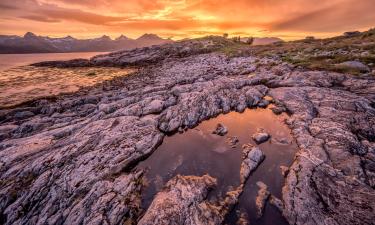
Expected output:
(186, 18)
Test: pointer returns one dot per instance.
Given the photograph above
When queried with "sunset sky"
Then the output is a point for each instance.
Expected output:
(288, 19)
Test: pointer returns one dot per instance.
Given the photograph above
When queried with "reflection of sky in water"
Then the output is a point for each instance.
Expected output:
(221, 149)
(8, 61)
(197, 152)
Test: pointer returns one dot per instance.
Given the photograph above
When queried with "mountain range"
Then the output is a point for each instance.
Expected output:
(31, 43)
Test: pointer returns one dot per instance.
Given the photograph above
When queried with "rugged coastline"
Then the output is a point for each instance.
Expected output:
(70, 160)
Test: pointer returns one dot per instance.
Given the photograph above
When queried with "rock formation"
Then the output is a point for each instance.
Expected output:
(183, 202)
(252, 157)
(70, 160)
(262, 197)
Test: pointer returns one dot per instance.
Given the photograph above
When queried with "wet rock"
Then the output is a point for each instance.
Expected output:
(220, 130)
(263, 103)
(230, 200)
(262, 197)
(278, 109)
(281, 141)
(277, 203)
(233, 141)
(261, 136)
(243, 219)
(284, 170)
(252, 157)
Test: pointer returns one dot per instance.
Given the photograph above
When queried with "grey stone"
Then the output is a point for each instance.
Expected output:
(252, 157)
(260, 136)
(220, 130)
(233, 141)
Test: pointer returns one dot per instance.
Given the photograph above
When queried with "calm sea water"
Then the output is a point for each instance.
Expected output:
(8, 61)
(20, 82)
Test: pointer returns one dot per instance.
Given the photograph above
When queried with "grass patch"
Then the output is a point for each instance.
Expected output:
(234, 49)
(328, 63)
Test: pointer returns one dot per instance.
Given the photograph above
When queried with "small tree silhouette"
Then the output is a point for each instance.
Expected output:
(236, 39)
(250, 40)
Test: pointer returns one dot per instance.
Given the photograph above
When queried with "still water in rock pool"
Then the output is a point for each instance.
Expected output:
(198, 151)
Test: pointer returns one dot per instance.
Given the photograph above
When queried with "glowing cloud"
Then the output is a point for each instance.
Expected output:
(288, 19)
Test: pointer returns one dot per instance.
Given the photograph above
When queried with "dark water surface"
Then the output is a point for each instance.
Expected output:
(197, 152)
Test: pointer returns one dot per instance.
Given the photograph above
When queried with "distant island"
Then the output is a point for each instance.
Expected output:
(32, 43)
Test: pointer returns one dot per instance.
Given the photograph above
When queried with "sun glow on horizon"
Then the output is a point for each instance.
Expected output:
(287, 19)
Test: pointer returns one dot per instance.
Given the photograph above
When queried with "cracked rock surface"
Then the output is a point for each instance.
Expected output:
(182, 202)
(69, 160)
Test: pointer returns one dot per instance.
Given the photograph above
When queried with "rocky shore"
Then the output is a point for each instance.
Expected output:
(71, 159)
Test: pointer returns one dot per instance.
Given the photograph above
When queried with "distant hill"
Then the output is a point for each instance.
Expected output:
(266, 40)
(263, 40)
(31, 43)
